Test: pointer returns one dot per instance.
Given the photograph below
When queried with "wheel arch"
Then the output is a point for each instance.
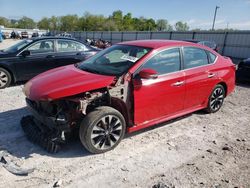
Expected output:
(108, 100)
(224, 86)
(13, 78)
(120, 105)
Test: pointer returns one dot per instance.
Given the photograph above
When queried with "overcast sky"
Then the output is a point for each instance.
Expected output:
(197, 13)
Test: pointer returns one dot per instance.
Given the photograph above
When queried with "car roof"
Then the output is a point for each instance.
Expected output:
(192, 40)
(53, 37)
(155, 44)
(196, 41)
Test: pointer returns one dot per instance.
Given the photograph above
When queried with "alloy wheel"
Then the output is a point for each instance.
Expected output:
(106, 132)
(217, 99)
(3, 79)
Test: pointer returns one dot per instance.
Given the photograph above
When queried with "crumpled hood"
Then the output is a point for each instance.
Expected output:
(63, 82)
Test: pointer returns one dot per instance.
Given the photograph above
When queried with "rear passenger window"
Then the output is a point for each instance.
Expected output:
(165, 62)
(70, 46)
(194, 57)
(212, 57)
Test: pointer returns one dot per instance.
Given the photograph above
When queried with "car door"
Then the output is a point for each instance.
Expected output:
(70, 52)
(40, 59)
(163, 96)
(200, 76)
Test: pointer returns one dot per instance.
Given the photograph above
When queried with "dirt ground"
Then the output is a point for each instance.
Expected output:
(198, 150)
(6, 43)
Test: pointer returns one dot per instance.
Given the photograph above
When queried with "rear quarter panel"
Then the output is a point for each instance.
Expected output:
(226, 73)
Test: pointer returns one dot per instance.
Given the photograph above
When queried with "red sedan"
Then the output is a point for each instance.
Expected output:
(127, 87)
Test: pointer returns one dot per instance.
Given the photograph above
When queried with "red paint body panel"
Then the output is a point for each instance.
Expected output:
(156, 98)
(163, 119)
(64, 81)
(198, 85)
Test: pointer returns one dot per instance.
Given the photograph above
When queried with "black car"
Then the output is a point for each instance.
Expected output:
(243, 71)
(14, 35)
(36, 34)
(30, 57)
(210, 44)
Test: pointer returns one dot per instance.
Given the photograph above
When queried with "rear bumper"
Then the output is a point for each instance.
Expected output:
(243, 74)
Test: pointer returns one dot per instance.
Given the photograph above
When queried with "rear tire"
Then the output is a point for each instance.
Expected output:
(216, 99)
(5, 78)
(102, 129)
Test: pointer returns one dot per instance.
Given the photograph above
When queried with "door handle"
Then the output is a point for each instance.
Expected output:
(50, 56)
(179, 83)
(211, 75)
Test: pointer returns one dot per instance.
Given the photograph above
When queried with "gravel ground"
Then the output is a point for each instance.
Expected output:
(6, 43)
(198, 150)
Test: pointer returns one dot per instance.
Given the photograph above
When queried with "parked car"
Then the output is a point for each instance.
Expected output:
(14, 35)
(24, 35)
(30, 57)
(47, 34)
(6, 35)
(124, 88)
(210, 44)
(243, 71)
(35, 34)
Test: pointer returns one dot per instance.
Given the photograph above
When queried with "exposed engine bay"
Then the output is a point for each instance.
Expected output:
(52, 123)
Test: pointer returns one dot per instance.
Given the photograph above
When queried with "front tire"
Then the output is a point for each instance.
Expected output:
(216, 99)
(102, 129)
(5, 78)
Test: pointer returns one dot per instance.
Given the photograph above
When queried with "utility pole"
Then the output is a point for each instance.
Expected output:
(215, 12)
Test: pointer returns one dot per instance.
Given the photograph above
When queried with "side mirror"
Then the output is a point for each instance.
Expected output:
(25, 53)
(148, 74)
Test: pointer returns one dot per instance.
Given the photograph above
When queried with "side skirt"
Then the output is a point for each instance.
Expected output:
(163, 119)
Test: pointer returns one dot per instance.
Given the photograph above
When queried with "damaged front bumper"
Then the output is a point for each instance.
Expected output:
(52, 122)
(46, 131)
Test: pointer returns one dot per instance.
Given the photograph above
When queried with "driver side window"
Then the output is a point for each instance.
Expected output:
(43, 46)
(164, 62)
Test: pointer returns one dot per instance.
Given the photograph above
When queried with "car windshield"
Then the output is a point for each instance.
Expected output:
(115, 60)
(17, 46)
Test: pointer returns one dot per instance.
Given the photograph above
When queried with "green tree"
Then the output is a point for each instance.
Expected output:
(5, 22)
(109, 25)
(54, 23)
(150, 24)
(44, 23)
(140, 24)
(181, 26)
(91, 22)
(69, 23)
(117, 17)
(26, 23)
(128, 22)
(163, 25)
